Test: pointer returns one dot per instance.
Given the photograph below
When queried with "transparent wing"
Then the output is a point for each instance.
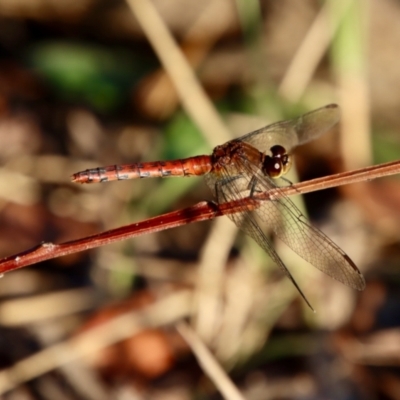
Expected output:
(294, 132)
(290, 226)
(230, 189)
(286, 221)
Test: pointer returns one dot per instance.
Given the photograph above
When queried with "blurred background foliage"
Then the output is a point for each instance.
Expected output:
(82, 84)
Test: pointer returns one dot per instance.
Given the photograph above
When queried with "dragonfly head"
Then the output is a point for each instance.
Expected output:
(278, 163)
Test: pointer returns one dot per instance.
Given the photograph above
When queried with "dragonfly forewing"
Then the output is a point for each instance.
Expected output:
(292, 227)
(285, 220)
(226, 189)
(294, 132)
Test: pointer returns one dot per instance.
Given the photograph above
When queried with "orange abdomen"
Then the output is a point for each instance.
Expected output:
(193, 166)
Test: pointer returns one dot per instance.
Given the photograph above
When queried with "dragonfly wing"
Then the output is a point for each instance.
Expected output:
(291, 226)
(286, 221)
(234, 188)
(294, 132)
(247, 223)
(315, 123)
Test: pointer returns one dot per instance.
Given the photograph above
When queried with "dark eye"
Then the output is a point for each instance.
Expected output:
(278, 163)
(278, 151)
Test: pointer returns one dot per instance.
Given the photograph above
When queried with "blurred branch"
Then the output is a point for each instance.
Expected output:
(349, 56)
(209, 364)
(309, 54)
(192, 95)
(166, 311)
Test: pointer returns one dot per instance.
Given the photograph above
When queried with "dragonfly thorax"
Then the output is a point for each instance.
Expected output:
(278, 163)
(231, 155)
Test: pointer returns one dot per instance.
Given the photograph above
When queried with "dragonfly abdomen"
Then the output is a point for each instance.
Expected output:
(198, 165)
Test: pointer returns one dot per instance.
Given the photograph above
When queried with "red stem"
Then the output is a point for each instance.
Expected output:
(200, 212)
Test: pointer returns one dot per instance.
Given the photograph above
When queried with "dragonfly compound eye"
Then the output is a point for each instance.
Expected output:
(278, 163)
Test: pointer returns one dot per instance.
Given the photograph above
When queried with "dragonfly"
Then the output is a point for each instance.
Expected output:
(249, 165)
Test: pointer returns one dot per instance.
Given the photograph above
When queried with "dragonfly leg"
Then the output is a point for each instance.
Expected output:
(253, 186)
(287, 181)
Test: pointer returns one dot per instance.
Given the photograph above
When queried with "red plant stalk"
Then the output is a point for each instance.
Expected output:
(199, 212)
